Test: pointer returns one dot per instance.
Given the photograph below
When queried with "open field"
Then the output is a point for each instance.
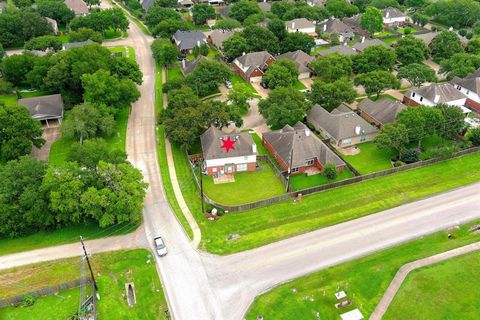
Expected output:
(366, 279)
(112, 271)
(447, 290)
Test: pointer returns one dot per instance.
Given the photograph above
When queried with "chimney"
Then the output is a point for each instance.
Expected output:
(198, 43)
(307, 132)
(183, 64)
(324, 27)
(254, 148)
(436, 99)
(387, 14)
(293, 25)
(363, 39)
(243, 53)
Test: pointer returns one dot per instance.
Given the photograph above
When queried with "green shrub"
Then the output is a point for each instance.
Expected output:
(28, 300)
(469, 35)
(474, 136)
(410, 156)
(330, 171)
(462, 32)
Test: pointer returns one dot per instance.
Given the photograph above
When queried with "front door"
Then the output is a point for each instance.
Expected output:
(229, 168)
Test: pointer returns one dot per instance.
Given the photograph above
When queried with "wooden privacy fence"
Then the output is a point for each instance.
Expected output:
(13, 301)
(290, 195)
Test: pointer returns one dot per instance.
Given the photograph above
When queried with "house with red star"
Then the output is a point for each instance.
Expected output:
(227, 153)
(298, 149)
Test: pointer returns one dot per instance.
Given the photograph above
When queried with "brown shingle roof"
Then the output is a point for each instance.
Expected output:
(254, 60)
(360, 46)
(300, 58)
(383, 110)
(212, 141)
(77, 6)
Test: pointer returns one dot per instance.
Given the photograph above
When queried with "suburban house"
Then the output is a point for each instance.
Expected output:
(342, 49)
(342, 126)
(365, 43)
(185, 3)
(44, 108)
(67, 46)
(354, 23)
(301, 25)
(189, 66)
(187, 40)
(79, 7)
(392, 17)
(146, 4)
(299, 150)
(318, 3)
(380, 112)
(227, 153)
(301, 60)
(52, 24)
(252, 66)
(336, 26)
(470, 87)
(218, 36)
(434, 94)
(427, 38)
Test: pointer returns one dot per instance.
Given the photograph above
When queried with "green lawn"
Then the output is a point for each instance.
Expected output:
(384, 33)
(238, 82)
(302, 181)
(112, 34)
(299, 85)
(443, 290)
(401, 30)
(212, 53)
(370, 159)
(318, 49)
(112, 270)
(174, 73)
(248, 187)
(8, 99)
(61, 147)
(389, 41)
(123, 50)
(158, 89)
(64, 235)
(65, 38)
(366, 279)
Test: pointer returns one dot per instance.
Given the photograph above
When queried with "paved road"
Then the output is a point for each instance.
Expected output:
(205, 287)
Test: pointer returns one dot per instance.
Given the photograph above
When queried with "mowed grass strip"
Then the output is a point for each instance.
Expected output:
(112, 270)
(447, 290)
(365, 281)
(286, 219)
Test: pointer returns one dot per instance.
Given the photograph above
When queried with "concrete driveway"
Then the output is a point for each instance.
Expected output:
(262, 92)
(50, 135)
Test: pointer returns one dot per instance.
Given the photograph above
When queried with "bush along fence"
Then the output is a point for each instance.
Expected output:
(16, 300)
(291, 195)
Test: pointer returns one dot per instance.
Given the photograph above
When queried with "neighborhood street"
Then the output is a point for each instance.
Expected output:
(202, 286)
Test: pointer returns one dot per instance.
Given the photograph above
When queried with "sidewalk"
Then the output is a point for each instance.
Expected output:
(397, 281)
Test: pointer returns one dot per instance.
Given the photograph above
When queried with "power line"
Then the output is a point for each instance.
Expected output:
(89, 265)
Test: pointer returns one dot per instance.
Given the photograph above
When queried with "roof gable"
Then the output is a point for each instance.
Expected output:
(383, 110)
(212, 144)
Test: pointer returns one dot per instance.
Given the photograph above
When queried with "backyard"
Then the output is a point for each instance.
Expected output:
(370, 158)
(248, 187)
(302, 181)
(366, 279)
(445, 291)
(112, 270)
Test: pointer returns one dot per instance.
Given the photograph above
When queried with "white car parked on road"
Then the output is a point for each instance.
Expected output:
(160, 246)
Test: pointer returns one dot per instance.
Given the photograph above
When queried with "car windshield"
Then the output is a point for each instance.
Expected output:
(160, 244)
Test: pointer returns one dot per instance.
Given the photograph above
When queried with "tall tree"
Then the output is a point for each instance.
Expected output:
(91, 152)
(340, 8)
(202, 12)
(460, 65)
(374, 58)
(157, 14)
(235, 46)
(377, 81)
(207, 76)
(84, 34)
(277, 27)
(57, 10)
(372, 20)
(417, 74)
(445, 45)
(455, 13)
(164, 52)
(331, 94)
(281, 73)
(260, 39)
(242, 9)
(454, 120)
(297, 41)
(44, 43)
(227, 24)
(412, 119)
(16, 67)
(332, 67)
(392, 135)
(411, 50)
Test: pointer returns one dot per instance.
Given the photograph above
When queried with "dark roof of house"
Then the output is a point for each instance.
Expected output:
(300, 145)
(337, 26)
(67, 46)
(218, 36)
(354, 22)
(300, 58)
(360, 46)
(427, 38)
(212, 144)
(146, 4)
(189, 39)
(446, 92)
(191, 65)
(44, 107)
(383, 110)
(79, 7)
(340, 123)
(254, 60)
(265, 6)
(338, 49)
(300, 23)
(392, 13)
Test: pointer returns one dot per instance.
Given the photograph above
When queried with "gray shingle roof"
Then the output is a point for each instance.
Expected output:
(383, 110)
(254, 60)
(265, 6)
(446, 92)
(191, 65)
(300, 58)
(212, 141)
(44, 107)
(360, 46)
(300, 23)
(336, 26)
(187, 40)
(427, 38)
(79, 7)
(392, 13)
(338, 49)
(67, 46)
(476, 74)
(338, 124)
(299, 144)
(472, 84)
(218, 36)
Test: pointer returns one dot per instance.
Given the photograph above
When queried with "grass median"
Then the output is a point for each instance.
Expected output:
(365, 281)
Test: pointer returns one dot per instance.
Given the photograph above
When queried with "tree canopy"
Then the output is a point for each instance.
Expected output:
(18, 26)
(374, 58)
(297, 41)
(460, 65)
(372, 20)
(331, 94)
(377, 81)
(242, 9)
(332, 67)
(44, 43)
(56, 10)
(101, 21)
(227, 24)
(202, 12)
(157, 14)
(455, 13)
(235, 46)
(411, 50)
(417, 74)
(340, 8)
(260, 39)
(164, 52)
(91, 152)
(445, 45)
(281, 73)
(84, 34)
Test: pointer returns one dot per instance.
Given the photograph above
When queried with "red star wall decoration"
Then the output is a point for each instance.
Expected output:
(228, 144)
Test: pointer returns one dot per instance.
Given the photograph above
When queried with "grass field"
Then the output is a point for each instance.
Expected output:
(366, 279)
(370, 159)
(174, 73)
(389, 41)
(285, 219)
(112, 270)
(64, 235)
(444, 291)
(402, 30)
(248, 187)
(384, 33)
(302, 181)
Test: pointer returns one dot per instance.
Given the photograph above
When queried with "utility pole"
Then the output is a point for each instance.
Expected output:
(289, 171)
(201, 185)
(88, 262)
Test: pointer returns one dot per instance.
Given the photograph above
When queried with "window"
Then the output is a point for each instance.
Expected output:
(347, 141)
(468, 92)
(363, 138)
(214, 169)
(413, 94)
(421, 98)
(309, 162)
(242, 167)
(294, 170)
